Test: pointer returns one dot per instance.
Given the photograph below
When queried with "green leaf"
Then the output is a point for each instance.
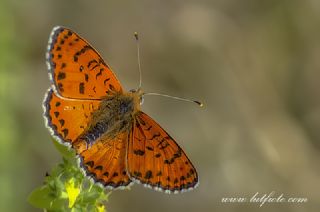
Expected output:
(54, 195)
(41, 197)
(58, 204)
(64, 150)
(89, 197)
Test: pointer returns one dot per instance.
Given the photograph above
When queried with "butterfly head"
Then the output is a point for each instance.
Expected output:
(138, 95)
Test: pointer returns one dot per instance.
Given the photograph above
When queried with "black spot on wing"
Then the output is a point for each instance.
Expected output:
(81, 88)
(91, 62)
(111, 87)
(98, 168)
(90, 163)
(137, 174)
(86, 77)
(94, 67)
(149, 128)
(175, 180)
(81, 51)
(138, 152)
(61, 122)
(69, 33)
(105, 81)
(170, 161)
(60, 87)
(61, 75)
(149, 148)
(56, 114)
(148, 175)
(65, 132)
(100, 73)
(154, 136)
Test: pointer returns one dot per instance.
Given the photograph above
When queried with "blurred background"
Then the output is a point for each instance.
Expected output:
(255, 64)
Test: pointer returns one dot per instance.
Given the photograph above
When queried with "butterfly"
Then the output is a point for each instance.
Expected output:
(117, 144)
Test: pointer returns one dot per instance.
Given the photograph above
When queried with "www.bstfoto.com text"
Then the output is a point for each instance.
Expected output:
(261, 199)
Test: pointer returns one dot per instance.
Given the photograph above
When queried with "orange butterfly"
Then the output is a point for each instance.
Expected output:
(117, 144)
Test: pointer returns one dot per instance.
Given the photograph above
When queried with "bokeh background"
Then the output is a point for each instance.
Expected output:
(255, 64)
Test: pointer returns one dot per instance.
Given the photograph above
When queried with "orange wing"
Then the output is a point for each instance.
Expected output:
(105, 160)
(67, 118)
(155, 159)
(76, 69)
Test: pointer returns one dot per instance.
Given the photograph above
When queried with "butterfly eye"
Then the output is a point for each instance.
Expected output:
(141, 100)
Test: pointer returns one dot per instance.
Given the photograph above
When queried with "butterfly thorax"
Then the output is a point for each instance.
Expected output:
(114, 115)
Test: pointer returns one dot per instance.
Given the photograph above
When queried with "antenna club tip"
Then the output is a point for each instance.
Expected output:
(136, 35)
(199, 103)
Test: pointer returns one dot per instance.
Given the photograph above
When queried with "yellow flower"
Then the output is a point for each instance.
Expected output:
(72, 192)
(101, 208)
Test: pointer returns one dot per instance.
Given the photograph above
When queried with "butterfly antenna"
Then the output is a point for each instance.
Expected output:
(157, 94)
(175, 97)
(139, 63)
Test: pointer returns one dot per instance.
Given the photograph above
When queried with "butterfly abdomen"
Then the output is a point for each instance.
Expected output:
(95, 132)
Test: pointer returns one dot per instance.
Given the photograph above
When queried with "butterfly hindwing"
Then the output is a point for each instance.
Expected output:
(105, 160)
(76, 68)
(67, 118)
(156, 160)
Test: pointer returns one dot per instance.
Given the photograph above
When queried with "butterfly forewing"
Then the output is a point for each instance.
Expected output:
(76, 69)
(67, 118)
(156, 160)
